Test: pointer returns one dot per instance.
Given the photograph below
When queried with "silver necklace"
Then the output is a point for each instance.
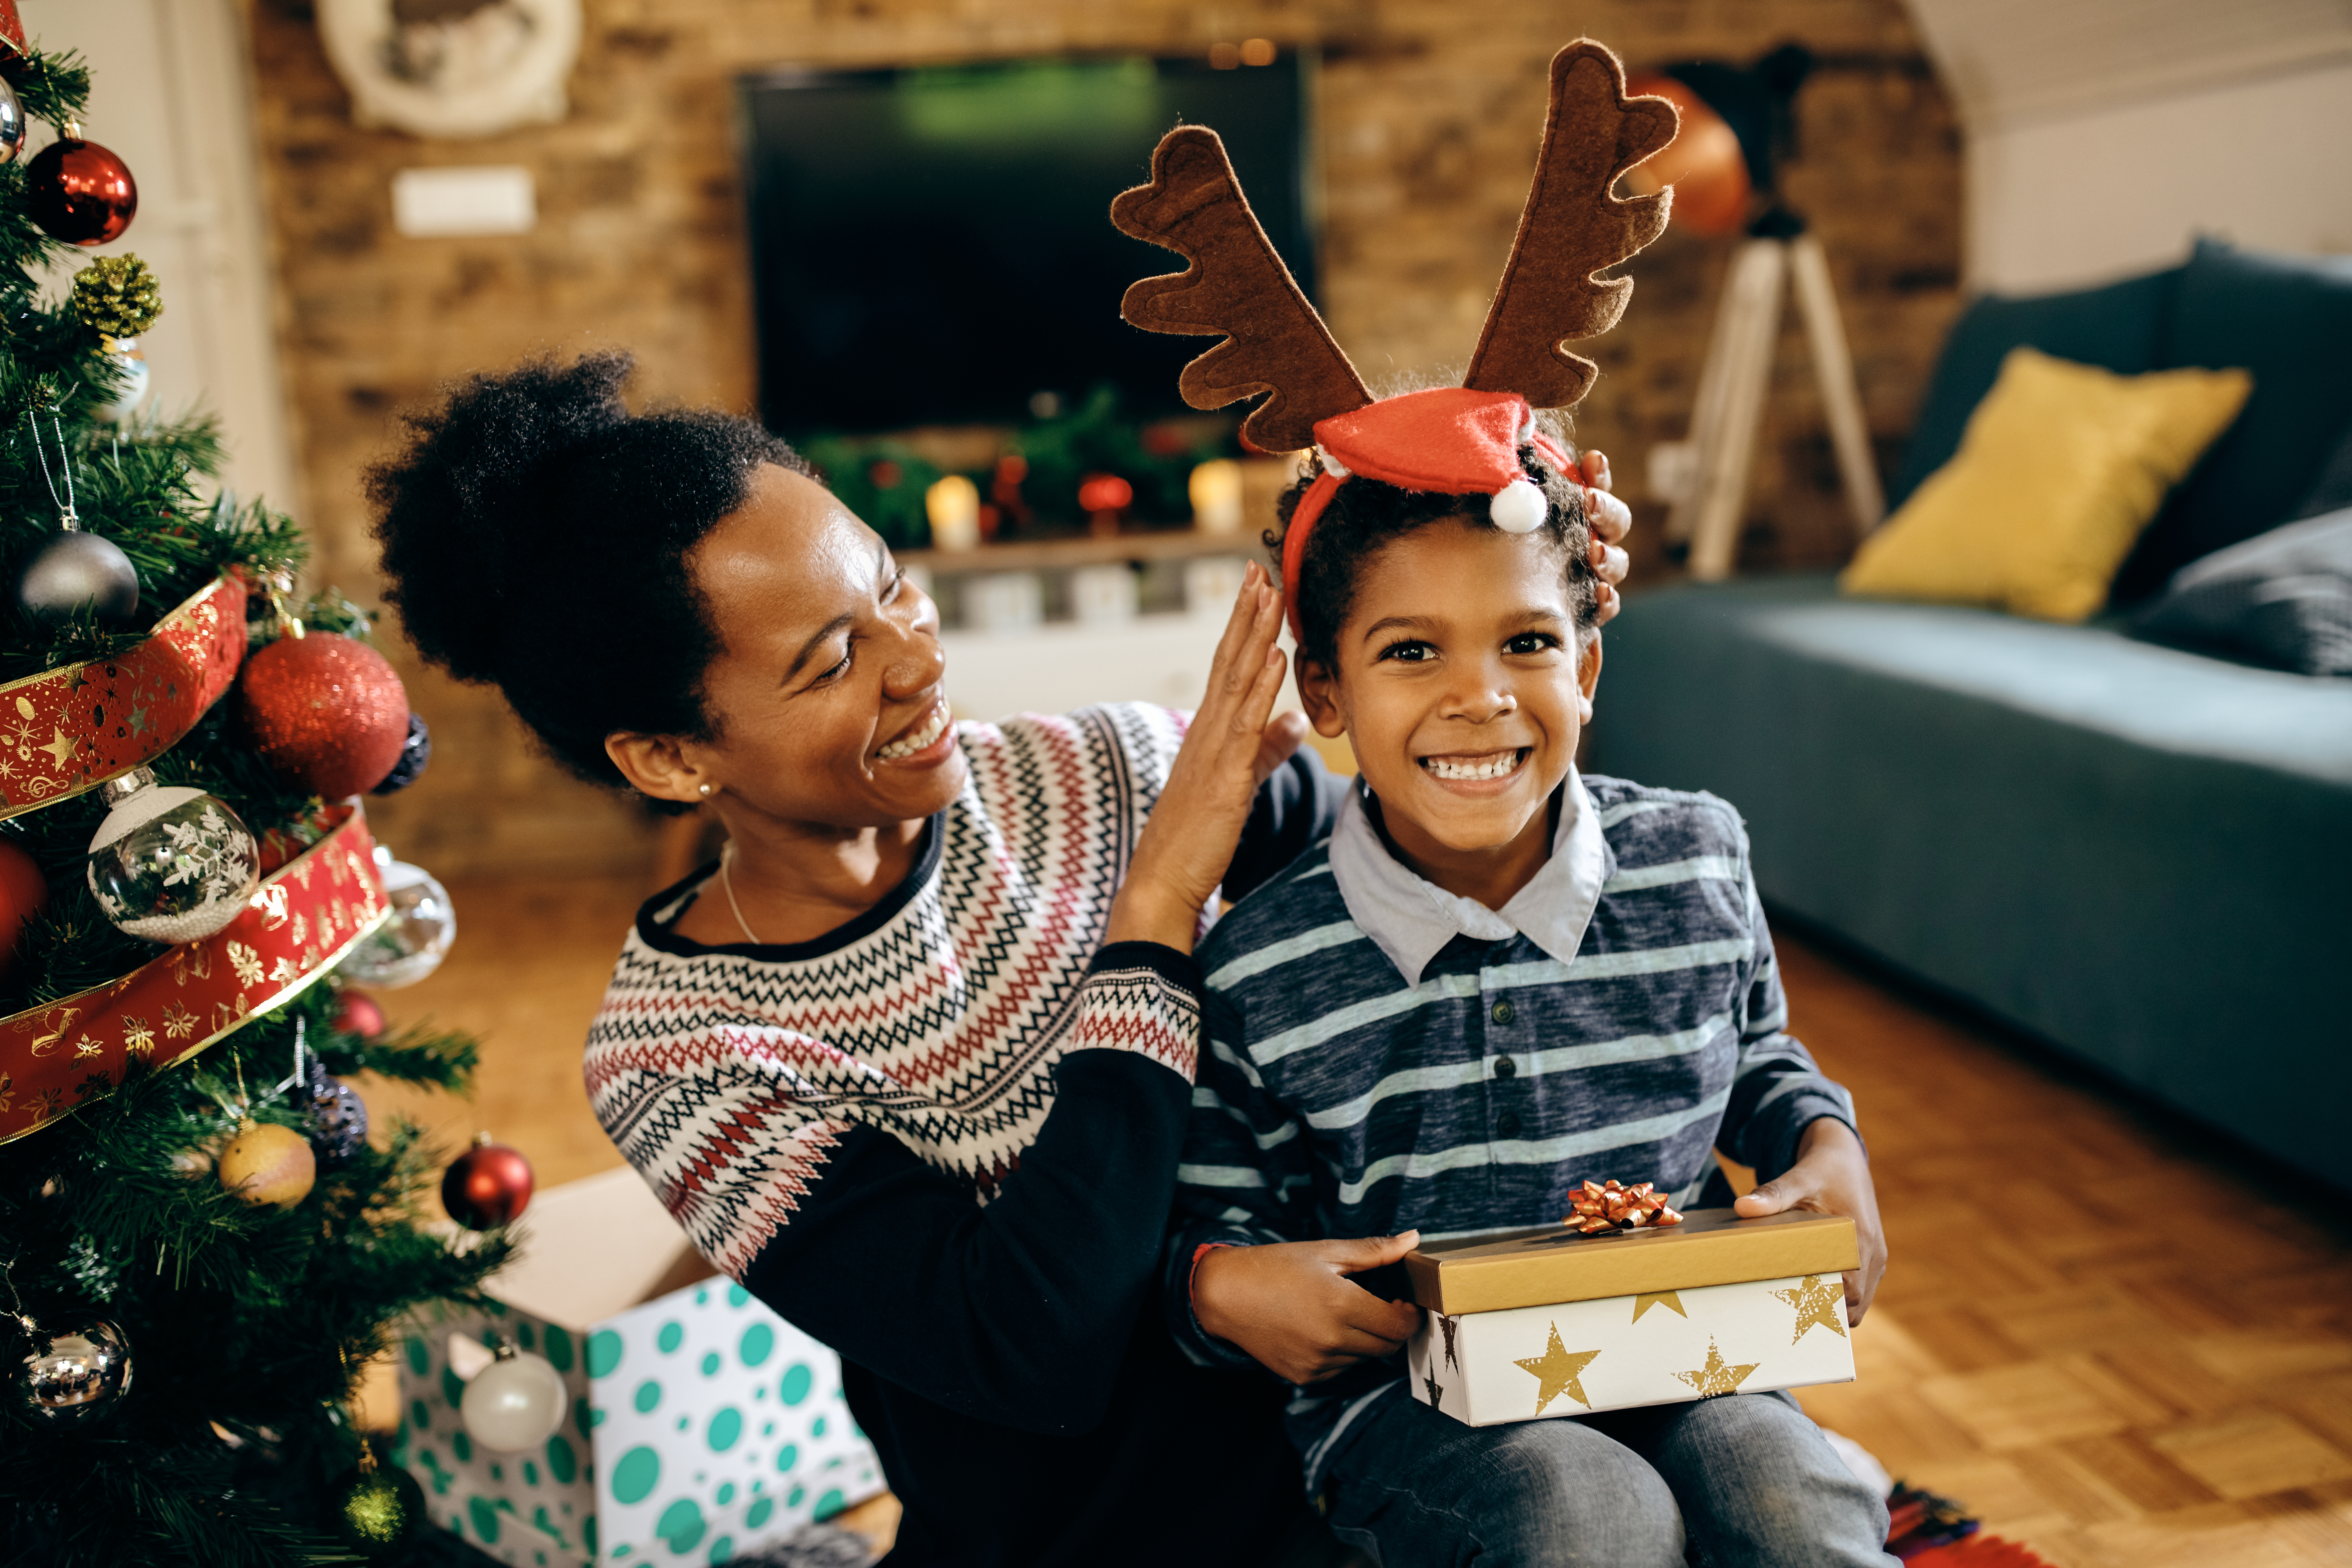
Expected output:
(727, 883)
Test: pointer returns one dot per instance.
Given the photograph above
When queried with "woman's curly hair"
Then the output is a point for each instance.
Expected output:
(1364, 516)
(535, 535)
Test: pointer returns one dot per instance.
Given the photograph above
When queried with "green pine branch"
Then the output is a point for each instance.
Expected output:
(248, 1325)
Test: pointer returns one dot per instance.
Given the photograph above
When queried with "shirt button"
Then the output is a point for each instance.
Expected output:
(1507, 1125)
(1504, 1013)
(1505, 1068)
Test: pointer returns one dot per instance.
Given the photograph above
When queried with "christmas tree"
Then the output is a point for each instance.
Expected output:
(200, 1247)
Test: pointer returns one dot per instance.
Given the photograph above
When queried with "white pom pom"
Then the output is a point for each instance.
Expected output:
(1517, 507)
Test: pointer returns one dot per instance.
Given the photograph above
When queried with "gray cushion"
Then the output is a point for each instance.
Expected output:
(2138, 853)
(2284, 597)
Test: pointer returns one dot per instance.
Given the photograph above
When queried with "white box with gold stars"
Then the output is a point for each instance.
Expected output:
(1531, 1324)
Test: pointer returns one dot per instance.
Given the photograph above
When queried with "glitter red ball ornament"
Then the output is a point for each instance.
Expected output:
(23, 892)
(486, 1186)
(360, 1015)
(80, 192)
(326, 713)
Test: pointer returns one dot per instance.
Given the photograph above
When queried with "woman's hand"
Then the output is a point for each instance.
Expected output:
(1832, 1176)
(1610, 521)
(1292, 1306)
(1197, 824)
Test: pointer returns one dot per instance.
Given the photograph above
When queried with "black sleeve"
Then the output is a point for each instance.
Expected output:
(1295, 809)
(1018, 1312)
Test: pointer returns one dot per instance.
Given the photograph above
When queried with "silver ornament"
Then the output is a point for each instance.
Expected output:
(132, 390)
(76, 1374)
(71, 571)
(412, 943)
(169, 863)
(12, 125)
(517, 1402)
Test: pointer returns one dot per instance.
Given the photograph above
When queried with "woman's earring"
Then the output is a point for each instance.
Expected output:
(708, 790)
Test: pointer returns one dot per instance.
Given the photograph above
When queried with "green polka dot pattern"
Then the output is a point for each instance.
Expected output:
(702, 1430)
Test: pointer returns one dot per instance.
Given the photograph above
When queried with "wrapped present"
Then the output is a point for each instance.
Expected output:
(700, 1425)
(1524, 1324)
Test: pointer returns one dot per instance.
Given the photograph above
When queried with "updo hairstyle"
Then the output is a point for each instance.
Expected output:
(535, 537)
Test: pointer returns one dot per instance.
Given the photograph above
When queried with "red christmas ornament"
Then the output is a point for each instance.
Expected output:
(14, 49)
(80, 192)
(327, 713)
(23, 892)
(359, 1015)
(486, 1186)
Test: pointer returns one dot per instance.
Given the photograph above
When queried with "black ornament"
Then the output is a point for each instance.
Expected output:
(339, 1117)
(374, 1509)
(78, 1374)
(414, 752)
(72, 571)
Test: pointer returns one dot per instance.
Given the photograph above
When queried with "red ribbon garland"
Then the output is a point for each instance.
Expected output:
(305, 917)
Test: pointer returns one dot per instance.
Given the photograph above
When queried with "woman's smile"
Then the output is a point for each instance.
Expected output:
(926, 744)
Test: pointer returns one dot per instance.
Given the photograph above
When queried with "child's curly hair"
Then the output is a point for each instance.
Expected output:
(535, 537)
(1365, 515)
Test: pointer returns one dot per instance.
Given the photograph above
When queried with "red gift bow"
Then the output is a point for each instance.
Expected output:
(1618, 1207)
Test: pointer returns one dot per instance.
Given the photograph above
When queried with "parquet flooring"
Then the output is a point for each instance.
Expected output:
(2087, 1333)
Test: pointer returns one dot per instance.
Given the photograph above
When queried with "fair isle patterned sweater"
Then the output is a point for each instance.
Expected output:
(944, 1140)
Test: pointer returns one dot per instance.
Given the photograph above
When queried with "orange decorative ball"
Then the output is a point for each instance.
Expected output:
(1703, 163)
(266, 1164)
(23, 892)
(326, 713)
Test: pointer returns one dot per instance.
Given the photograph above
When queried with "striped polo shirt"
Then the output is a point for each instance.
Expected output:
(1382, 1056)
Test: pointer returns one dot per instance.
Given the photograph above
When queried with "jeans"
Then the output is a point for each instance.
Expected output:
(1747, 1475)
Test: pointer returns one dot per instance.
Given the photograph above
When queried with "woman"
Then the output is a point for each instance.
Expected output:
(913, 1060)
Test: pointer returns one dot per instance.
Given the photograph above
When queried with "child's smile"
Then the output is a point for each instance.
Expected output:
(1462, 681)
(1474, 773)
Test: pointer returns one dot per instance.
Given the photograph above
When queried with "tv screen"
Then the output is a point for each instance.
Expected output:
(934, 245)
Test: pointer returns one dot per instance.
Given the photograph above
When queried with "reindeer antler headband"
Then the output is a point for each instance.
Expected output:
(1460, 440)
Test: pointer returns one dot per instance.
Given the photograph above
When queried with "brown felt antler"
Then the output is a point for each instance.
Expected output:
(1571, 228)
(1236, 286)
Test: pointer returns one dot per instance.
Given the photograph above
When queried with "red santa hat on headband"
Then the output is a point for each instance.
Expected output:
(1464, 440)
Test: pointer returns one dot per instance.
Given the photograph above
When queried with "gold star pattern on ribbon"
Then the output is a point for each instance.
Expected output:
(1817, 1300)
(1715, 1377)
(58, 746)
(1671, 1300)
(1556, 1371)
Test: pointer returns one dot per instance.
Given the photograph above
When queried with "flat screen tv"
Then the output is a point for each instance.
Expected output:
(933, 244)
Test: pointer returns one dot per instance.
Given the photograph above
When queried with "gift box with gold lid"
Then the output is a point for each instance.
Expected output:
(1524, 1324)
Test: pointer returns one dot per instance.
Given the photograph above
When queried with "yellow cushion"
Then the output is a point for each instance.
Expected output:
(2061, 467)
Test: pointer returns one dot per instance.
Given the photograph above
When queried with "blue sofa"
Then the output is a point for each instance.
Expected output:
(2141, 856)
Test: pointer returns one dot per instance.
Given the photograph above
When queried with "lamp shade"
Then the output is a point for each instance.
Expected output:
(1704, 163)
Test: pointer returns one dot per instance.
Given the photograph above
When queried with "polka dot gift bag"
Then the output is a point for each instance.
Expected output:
(694, 1425)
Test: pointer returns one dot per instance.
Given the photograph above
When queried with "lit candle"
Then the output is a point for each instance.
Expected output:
(953, 506)
(1216, 488)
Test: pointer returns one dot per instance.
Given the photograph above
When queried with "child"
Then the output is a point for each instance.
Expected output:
(1495, 980)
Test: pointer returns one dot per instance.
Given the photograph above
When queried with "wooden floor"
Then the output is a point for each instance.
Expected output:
(2085, 1334)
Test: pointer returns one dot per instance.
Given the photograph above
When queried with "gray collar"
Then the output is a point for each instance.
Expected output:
(1410, 919)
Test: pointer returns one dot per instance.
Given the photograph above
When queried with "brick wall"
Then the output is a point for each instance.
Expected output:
(1429, 112)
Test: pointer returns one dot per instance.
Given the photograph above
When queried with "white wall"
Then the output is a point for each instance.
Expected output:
(2105, 135)
(171, 93)
(2059, 203)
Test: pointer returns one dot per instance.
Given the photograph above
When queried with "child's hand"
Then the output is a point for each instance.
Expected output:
(1610, 521)
(1832, 1176)
(1292, 1306)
